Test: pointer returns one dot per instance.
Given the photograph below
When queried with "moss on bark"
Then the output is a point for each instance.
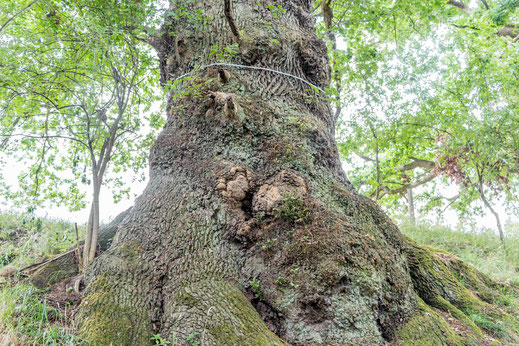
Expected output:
(54, 271)
(427, 328)
(466, 295)
(105, 320)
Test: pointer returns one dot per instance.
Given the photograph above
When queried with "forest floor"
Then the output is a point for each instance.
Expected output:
(29, 316)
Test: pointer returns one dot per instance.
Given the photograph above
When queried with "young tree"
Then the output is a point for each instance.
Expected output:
(72, 91)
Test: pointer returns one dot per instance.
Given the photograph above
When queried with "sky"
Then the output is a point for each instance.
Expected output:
(110, 209)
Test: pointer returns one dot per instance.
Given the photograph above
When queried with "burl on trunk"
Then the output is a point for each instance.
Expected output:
(248, 232)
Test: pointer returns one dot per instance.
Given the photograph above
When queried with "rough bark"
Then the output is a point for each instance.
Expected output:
(248, 232)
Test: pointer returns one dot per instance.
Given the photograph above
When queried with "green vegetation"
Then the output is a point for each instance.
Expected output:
(483, 250)
(292, 209)
(193, 338)
(256, 288)
(26, 319)
(431, 89)
(157, 339)
(27, 239)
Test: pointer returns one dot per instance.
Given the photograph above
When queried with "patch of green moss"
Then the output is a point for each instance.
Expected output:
(427, 328)
(444, 305)
(102, 320)
(129, 249)
(187, 299)
(55, 271)
(251, 330)
(433, 278)
(446, 283)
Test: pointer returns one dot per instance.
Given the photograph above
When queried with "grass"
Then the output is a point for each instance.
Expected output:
(26, 319)
(26, 239)
(483, 250)
(25, 316)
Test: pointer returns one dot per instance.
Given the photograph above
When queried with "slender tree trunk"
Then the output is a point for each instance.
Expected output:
(88, 237)
(410, 204)
(489, 206)
(248, 231)
(95, 223)
(496, 215)
(92, 232)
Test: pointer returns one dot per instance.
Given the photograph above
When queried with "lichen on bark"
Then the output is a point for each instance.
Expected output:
(207, 250)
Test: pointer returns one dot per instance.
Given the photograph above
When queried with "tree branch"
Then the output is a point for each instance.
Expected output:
(485, 4)
(510, 31)
(459, 5)
(417, 163)
(230, 19)
(488, 205)
(400, 190)
(17, 14)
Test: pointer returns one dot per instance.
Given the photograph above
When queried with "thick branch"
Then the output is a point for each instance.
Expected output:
(153, 41)
(230, 19)
(403, 189)
(459, 5)
(417, 163)
(509, 30)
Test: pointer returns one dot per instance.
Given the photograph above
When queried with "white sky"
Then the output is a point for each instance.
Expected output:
(110, 210)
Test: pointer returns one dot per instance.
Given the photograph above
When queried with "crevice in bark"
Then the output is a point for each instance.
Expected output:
(272, 317)
(157, 319)
(246, 205)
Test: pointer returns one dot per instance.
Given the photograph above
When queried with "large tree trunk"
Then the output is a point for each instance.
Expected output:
(248, 231)
(248, 228)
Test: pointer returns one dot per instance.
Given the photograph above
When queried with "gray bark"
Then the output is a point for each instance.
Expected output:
(248, 232)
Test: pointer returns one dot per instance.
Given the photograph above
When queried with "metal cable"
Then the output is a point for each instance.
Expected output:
(251, 68)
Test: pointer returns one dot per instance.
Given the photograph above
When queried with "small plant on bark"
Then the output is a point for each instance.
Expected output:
(256, 288)
(194, 338)
(292, 209)
(159, 340)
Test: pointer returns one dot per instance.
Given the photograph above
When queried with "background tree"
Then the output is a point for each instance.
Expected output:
(434, 94)
(72, 91)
